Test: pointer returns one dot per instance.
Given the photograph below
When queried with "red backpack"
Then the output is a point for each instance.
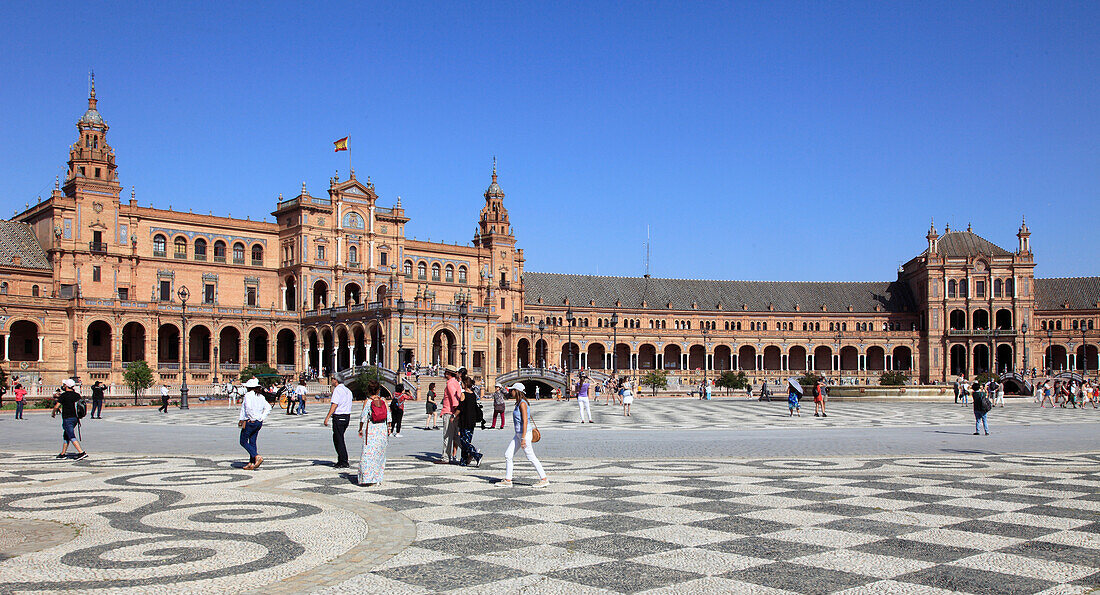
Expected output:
(377, 412)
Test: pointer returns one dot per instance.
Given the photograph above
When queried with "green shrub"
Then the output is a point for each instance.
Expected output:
(893, 378)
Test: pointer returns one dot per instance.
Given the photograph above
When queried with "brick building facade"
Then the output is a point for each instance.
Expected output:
(90, 281)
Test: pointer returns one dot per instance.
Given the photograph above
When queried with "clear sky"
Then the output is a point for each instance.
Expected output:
(772, 141)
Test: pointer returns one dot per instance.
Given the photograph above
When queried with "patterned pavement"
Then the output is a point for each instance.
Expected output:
(974, 523)
(680, 414)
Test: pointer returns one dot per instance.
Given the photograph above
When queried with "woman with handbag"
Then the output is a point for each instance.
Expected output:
(526, 435)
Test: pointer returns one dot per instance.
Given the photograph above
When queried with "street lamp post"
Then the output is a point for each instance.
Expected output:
(569, 318)
(540, 361)
(704, 352)
(1084, 353)
(1050, 350)
(1023, 335)
(614, 343)
(76, 346)
(463, 315)
(183, 295)
(993, 351)
(400, 335)
(215, 362)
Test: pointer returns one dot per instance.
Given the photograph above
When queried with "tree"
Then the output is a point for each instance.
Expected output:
(808, 380)
(656, 379)
(893, 378)
(265, 374)
(360, 386)
(731, 380)
(139, 377)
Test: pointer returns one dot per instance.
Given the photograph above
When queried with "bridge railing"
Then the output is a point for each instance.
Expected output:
(390, 378)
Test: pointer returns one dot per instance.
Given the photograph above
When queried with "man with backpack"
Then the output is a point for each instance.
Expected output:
(982, 406)
(339, 410)
(71, 407)
(97, 399)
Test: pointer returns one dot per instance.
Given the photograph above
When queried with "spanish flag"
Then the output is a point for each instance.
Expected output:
(342, 144)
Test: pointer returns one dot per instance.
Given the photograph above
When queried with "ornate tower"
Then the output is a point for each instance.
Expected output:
(493, 227)
(91, 159)
(1024, 238)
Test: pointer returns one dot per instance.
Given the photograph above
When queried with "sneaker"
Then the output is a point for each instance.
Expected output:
(824, 415)
(591, 422)
(975, 433)
(61, 456)
(477, 459)
(542, 483)
(82, 455)
(987, 433)
(504, 483)
(816, 415)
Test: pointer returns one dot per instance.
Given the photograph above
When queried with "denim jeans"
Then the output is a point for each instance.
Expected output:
(19, 410)
(97, 407)
(979, 418)
(466, 443)
(68, 428)
(301, 405)
(248, 438)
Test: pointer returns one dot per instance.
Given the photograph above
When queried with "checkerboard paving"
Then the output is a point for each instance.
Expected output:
(972, 524)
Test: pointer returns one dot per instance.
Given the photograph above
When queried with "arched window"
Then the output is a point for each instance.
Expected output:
(160, 245)
(34, 290)
(257, 255)
(1010, 288)
(353, 220)
(408, 269)
(422, 271)
(461, 274)
(4, 288)
(435, 272)
(238, 253)
(219, 251)
(952, 288)
(200, 249)
(181, 247)
(998, 287)
(449, 274)
(353, 255)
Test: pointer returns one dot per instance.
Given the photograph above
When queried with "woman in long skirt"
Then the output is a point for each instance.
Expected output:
(375, 421)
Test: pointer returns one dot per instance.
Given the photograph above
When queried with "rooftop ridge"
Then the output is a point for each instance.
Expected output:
(702, 279)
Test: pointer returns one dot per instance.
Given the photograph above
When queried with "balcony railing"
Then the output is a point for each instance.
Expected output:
(257, 263)
(168, 365)
(99, 365)
(198, 365)
(238, 260)
(287, 368)
(160, 253)
(219, 258)
(228, 366)
(200, 257)
(966, 332)
(98, 247)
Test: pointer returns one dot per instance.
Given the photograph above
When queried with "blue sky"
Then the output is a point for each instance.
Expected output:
(771, 141)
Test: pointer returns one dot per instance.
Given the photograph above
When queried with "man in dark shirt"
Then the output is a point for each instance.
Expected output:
(97, 400)
(66, 404)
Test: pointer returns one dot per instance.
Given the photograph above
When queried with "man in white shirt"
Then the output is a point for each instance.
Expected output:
(254, 410)
(339, 410)
(300, 394)
(163, 399)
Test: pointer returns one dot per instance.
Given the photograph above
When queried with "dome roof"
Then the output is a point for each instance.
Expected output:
(91, 117)
(494, 189)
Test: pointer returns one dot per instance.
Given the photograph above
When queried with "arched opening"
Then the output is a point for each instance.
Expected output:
(796, 358)
(1086, 358)
(647, 357)
(959, 365)
(359, 340)
(773, 359)
(320, 295)
(570, 356)
(541, 352)
(343, 349)
(981, 319)
(422, 271)
(229, 346)
(436, 272)
(219, 251)
(238, 253)
(671, 359)
(168, 344)
(377, 354)
(621, 361)
(981, 358)
(257, 346)
(180, 244)
(291, 296)
(500, 357)
(958, 320)
(523, 353)
(351, 294)
(444, 348)
(1005, 359)
(200, 249)
(746, 357)
(23, 341)
(198, 345)
(1004, 319)
(697, 357)
(876, 358)
(723, 357)
(849, 358)
(596, 357)
(327, 347)
(823, 358)
(133, 342)
(903, 358)
(98, 344)
(380, 295)
(284, 348)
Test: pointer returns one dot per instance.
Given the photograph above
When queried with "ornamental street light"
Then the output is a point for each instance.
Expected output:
(704, 351)
(569, 318)
(614, 343)
(76, 346)
(183, 295)
(540, 361)
(1050, 350)
(1023, 335)
(400, 334)
(463, 316)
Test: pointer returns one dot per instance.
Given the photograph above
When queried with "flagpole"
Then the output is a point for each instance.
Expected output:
(349, 156)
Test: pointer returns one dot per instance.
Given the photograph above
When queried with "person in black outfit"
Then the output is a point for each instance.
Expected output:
(66, 405)
(97, 400)
(468, 416)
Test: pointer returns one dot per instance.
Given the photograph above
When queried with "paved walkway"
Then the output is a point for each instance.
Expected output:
(969, 523)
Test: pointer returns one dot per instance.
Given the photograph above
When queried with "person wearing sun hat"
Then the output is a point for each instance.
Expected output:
(525, 427)
(254, 410)
(66, 405)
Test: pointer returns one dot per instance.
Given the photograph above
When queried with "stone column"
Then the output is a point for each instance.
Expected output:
(41, 344)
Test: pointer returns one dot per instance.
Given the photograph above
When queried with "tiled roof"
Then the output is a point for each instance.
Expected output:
(18, 241)
(782, 296)
(1081, 293)
(967, 243)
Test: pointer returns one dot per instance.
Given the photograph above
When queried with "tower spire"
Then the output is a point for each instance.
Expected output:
(91, 90)
(494, 168)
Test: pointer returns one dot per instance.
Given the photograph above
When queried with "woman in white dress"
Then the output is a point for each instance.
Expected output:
(628, 397)
(375, 422)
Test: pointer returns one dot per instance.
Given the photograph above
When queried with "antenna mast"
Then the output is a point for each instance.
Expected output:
(647, 251)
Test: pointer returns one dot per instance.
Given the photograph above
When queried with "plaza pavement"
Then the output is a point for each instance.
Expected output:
(960, 513)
